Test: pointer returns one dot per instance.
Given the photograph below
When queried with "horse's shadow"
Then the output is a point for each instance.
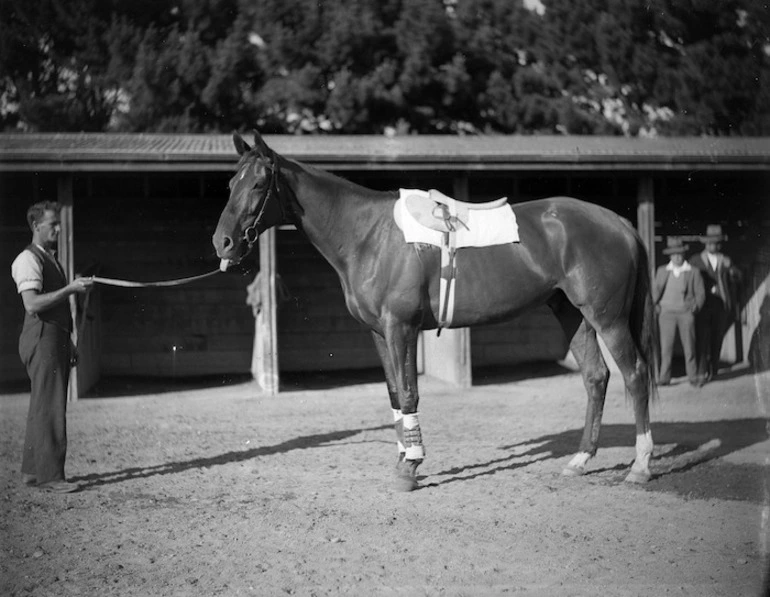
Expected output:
(680, 448)
(299, 443)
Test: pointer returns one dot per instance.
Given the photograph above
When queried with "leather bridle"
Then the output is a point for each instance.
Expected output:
(250, 233)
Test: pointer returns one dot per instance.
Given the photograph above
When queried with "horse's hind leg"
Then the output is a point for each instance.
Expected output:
(636, 376)
(585, 349)
(596, 375)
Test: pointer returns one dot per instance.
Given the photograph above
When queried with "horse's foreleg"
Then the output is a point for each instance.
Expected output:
(399, 349)
(596, 375)
(395, 404)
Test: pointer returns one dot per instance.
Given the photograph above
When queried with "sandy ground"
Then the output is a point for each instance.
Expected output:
(222, 491)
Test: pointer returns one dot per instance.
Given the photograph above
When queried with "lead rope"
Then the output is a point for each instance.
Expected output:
(131, 284)
(163, 283)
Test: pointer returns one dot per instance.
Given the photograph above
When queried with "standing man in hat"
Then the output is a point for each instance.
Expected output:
(721, 279)
(45, 348)
(678, 295)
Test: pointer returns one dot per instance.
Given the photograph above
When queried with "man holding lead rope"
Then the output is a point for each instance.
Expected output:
(45, 348)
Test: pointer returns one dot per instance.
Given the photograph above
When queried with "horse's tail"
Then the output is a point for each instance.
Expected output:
(642, 320)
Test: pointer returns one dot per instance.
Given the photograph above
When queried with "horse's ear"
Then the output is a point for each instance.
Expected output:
(240, 145)
(260, 144)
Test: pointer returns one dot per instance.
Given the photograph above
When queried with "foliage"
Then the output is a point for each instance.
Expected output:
(625, 67)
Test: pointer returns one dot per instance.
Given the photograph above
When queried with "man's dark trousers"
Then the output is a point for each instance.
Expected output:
(45, 350)
(711, 324)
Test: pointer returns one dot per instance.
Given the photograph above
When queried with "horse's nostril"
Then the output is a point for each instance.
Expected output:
(227, 242)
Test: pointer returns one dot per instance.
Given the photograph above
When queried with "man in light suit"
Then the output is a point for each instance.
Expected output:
(721, 279)
(678, 294)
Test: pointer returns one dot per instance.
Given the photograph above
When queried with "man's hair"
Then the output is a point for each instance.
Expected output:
(36, 212)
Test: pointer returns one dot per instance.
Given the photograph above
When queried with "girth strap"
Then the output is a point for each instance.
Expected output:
(446, 299)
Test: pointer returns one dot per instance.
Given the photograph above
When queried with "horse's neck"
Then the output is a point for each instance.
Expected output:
(337, 217)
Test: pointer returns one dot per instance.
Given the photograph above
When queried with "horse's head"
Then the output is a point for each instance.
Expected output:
(253, 206)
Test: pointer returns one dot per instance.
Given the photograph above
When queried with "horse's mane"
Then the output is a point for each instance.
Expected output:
(351, 188)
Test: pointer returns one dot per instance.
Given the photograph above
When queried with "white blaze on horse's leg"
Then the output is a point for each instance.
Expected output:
(644, 447)
(640, 470)
(579, 461)
(413, 438)
(224, 264)
(398, 417)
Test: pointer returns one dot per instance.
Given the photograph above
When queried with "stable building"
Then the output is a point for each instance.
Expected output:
(143, 207)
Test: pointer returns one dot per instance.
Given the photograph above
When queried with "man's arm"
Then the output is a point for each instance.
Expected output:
(27, 272)
(659, 284)
(35, 301)
(700, 289)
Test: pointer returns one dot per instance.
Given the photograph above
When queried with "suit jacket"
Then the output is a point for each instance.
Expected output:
(722, 281)
(695, 294)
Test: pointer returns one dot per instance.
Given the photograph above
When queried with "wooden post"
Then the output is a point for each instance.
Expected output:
(264, 362)
(448, 357)
(66, 255)
(646, 218)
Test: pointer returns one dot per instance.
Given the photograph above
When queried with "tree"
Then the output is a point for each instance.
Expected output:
(625, 67)
(717, 65)
(671, 66)
(194, 73)
(50, 72)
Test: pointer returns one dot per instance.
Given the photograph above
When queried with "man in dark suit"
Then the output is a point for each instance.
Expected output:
(678, 294)
(45, 348)
(721, 279)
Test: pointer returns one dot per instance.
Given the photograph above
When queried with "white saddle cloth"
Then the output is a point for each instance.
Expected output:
(486, 227)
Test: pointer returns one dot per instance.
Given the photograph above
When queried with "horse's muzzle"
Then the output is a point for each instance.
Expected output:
(226, 250)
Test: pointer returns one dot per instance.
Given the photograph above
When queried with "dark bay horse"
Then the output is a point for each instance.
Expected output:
(584, 261)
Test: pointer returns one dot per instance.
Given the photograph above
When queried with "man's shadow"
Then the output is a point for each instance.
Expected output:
(300, 443)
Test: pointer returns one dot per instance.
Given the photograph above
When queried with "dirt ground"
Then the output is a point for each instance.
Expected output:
(218, 490)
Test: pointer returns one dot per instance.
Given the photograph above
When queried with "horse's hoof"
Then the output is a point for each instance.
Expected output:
(638, 477)
(405, 484)
(573, 471)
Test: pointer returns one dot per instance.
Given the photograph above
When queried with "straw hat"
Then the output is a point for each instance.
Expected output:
(713, 234)
(675, 245)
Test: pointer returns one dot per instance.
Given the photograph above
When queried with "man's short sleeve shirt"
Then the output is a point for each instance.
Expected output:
(27, 272)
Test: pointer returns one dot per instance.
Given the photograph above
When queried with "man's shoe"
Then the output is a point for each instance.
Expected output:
(664, 383)
(59, 487)
(28, 479)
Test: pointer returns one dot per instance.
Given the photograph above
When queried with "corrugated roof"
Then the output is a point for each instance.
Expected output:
(112, 151)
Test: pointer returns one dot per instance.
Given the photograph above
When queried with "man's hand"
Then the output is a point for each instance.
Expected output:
(81, 285)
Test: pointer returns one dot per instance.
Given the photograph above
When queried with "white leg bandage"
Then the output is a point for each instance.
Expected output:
(413, 438)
